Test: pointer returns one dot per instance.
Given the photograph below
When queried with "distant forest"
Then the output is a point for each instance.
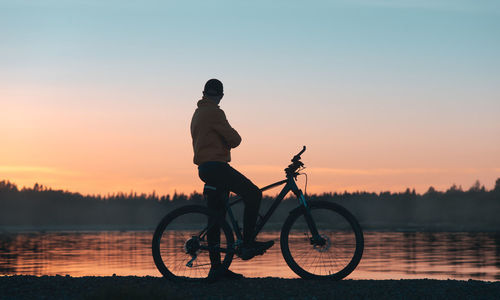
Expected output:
(42, 208)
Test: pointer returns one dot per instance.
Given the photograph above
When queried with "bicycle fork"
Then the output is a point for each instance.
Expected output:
(316, 239)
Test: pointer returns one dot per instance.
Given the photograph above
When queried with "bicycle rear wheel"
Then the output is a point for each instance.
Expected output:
(341, 248)
(180, 247)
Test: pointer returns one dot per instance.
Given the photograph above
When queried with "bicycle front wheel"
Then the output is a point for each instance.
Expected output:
(180, 246)
(341, 245)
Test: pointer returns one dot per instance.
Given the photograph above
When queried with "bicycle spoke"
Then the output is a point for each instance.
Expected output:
(177, 245)
(338, 243)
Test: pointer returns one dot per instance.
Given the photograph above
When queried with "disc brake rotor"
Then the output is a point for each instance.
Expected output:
(325, 246)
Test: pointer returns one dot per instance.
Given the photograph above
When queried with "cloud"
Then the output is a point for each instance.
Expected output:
(378, 171)
(154, 180)
(37, 170)
(371, 172)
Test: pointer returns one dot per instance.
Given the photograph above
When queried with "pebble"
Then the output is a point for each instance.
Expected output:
(132, 287)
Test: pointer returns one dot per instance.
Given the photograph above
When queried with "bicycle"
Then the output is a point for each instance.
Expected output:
(319, 239)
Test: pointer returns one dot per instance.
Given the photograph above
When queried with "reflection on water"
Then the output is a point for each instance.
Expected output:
(387, 255)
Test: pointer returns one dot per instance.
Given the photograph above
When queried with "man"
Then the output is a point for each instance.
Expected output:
(213, 139)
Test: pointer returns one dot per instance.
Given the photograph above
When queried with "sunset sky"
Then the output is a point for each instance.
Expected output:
(97, 96)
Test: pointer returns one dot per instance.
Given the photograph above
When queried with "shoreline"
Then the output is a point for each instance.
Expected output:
(133, 287)
(6, 229)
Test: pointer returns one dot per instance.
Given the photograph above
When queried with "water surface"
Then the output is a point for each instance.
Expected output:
(387, 255)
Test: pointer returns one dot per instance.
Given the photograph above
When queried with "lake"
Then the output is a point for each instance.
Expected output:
(387, 255)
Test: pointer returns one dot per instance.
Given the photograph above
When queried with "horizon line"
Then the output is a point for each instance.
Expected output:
(477, 183)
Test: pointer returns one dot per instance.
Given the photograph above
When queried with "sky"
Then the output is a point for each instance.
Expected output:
(96, 97)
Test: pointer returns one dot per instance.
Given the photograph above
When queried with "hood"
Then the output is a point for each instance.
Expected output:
(207, 103)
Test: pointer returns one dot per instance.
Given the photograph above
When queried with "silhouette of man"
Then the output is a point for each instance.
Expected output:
(213, 139)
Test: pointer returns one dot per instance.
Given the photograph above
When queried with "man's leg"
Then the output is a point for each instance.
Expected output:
(223, 175)
(252, 196)
(215, 202)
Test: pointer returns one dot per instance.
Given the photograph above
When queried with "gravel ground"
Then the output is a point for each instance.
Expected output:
(131, 287)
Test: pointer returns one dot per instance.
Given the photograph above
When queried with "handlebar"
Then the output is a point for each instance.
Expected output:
(297, 157)
(296, 164)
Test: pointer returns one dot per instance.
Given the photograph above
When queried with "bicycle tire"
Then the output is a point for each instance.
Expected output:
(166, 257)
(336, 218)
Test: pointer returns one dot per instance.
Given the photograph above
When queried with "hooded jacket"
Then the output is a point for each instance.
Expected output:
(212, 135)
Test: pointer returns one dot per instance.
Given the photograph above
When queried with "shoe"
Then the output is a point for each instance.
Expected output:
(249, 250)
(221, 272)
(228, 274)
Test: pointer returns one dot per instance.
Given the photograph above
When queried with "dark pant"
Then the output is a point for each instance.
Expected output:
(225, 178)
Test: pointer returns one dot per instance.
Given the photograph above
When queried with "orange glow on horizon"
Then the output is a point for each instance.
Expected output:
(95, 147)
(321, 180)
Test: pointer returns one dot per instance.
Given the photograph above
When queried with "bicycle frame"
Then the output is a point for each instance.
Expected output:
(290, 185)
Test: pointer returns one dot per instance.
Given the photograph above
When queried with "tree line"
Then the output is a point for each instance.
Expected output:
(40, 207)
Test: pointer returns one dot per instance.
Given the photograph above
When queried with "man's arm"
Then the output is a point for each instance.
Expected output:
(228, 133)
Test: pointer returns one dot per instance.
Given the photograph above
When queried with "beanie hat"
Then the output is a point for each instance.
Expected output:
(213, 87)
